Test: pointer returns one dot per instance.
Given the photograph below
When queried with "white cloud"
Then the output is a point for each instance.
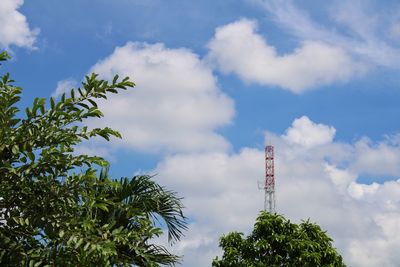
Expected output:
(341, 178)
(360, 190)
(219, 177)
(238, 48)
(318, 181)
(176, 105)
(358, 27)
(378, 249)
(220, 194)
(14, 28)
(395, 31)
(306, 133)
(64, 86)
(382, 159)
(94, 149)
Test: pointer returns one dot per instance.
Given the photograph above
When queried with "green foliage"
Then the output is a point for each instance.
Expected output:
(56, 209)
(275, 241)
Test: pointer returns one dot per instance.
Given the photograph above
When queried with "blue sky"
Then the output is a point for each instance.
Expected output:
(216, 81)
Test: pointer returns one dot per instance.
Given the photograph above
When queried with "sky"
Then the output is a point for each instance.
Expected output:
(217, 80)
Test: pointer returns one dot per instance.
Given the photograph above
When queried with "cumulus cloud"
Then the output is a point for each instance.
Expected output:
(14, 28)
(220, 194)
(176, 105)
(306, 133)
(341, 178)
(238, 48)
(379, 159)
(318, 181)
(360, 190)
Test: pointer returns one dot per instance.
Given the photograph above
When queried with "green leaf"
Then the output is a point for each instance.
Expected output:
(28, 112)
(83, 105)
(31, 155)
(102, 206)
(92, 102)
(52, 103)
(115, 79)
(15, 149)
(77, 244)
(4, 56)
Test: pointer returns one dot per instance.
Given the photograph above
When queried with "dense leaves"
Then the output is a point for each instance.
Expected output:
(56, 207)
(275, 241)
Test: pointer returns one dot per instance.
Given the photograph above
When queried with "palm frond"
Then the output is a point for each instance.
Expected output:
(143, 194)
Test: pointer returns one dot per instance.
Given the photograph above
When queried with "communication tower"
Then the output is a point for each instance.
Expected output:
(269, 186)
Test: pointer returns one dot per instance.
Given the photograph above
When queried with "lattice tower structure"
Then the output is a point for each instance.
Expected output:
(269, 187)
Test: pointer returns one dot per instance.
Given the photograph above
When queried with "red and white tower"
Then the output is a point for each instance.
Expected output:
(269, 187)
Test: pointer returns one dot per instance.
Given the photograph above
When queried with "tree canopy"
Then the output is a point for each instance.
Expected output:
(61, 208)
(275, 241)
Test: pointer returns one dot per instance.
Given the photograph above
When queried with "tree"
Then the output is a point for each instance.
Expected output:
(275, 241)
(61, 208)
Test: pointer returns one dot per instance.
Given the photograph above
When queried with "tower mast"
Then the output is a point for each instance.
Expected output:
(269, 187)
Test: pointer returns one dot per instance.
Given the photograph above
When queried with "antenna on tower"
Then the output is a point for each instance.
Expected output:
(269, 186)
